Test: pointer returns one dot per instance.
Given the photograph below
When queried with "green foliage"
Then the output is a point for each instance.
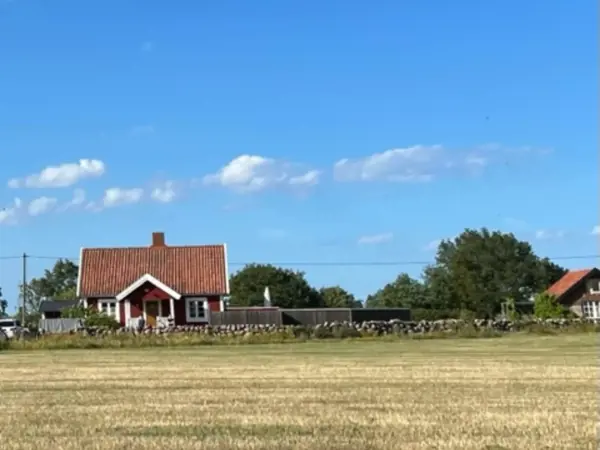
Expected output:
(3, 305)
(337, 297)
(295, 334)
(91, 317)
(419, 314)
(546, 306)
(403, 292)
(288, 288)
(59, 283)
(480, 269)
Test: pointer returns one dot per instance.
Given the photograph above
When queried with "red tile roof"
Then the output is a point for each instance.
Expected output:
(570, 279)
(190, 270)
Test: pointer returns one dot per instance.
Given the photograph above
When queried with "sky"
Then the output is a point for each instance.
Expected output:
(328, 137)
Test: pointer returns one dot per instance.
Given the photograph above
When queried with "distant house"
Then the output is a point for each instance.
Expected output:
(579, 290)
(160, 283)
(53, 309)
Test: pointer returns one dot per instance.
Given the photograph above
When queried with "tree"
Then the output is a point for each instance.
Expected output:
(288, 288)
(546, 306)
(59, 283)
(337, 297)
(3, 305)
(403, 292)
(480, 269)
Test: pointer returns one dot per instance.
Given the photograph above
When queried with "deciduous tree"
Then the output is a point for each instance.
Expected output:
(480, 269)
(337, 297)
(288, 288)
(403, 292)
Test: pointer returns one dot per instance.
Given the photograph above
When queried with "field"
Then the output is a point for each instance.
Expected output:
(517, 392)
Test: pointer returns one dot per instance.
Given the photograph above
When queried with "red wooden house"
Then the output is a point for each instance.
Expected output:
(158, 283)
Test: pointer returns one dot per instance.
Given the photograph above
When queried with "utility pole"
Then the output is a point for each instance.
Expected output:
(24, 287)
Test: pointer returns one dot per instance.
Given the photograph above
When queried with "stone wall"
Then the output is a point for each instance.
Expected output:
(347, 329)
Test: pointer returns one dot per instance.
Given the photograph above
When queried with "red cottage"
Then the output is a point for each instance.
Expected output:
(156, 282)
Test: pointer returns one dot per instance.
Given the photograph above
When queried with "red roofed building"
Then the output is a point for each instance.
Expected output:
(158, 282)
(579, 290)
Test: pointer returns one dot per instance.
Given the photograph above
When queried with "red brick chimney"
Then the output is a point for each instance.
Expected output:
(158, 240)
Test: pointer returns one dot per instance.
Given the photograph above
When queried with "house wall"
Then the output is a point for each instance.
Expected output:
(137, 298)
(578, 294)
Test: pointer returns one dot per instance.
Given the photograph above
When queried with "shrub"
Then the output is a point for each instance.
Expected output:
(546, 306)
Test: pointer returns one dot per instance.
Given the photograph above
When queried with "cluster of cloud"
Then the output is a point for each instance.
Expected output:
(69, 174)
(251, 173)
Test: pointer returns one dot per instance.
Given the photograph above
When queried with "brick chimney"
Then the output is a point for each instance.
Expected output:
(158, 239)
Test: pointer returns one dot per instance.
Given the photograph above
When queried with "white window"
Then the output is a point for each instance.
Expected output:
(109, 307)
(591, 310)
(195, 309)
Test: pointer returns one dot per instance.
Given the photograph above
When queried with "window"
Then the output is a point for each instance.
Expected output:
(109, 307)
(195, 309)
(591, 310)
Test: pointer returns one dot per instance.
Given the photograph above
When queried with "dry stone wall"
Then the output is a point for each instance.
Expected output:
(348, 329)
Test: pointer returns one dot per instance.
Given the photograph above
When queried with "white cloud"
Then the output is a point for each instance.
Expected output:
(422, 163)
(63, 175)
(549, 234)
(118, 196)
(165, 193)
(310, 178)
(147, 46)
(142, 130)
(41, 205)
(78, 199)
(9, 214)
(375, 239)
(596, 230)
(252, 173)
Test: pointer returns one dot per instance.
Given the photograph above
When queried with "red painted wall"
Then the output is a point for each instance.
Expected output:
(151, 293)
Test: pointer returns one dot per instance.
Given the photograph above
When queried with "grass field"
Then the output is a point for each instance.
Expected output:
(521, 392)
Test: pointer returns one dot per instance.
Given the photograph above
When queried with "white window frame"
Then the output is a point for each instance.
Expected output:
(591, 309)
(116, 313)
(202, 303)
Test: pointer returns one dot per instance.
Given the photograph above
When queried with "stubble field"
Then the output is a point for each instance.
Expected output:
(510, 393)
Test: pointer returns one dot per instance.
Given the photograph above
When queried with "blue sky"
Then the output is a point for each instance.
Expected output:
(296, 131)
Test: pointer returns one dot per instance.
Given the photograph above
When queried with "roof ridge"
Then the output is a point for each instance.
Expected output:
(153, 248)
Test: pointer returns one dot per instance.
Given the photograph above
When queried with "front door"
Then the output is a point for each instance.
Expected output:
(151, 313)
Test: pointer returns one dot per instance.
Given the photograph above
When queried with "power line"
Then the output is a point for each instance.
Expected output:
(321, 263)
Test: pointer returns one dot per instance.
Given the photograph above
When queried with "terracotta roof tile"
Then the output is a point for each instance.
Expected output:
(570, 279)
(190, 270)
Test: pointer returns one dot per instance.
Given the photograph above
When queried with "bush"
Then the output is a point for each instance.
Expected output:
(91, 318)
(546, 306)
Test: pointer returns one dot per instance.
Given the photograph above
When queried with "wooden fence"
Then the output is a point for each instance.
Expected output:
(307, 317)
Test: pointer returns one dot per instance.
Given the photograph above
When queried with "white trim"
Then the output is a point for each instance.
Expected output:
(148, 278)
(85, 303)
(172, 308)
(78, 290)
(117, 315)
(204, 301)
(127, 311)
(226, 269)
(221, 304)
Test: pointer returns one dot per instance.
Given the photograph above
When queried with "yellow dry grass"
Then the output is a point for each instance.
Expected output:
(511, 393)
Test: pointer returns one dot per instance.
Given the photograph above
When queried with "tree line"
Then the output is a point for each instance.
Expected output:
(474, 273)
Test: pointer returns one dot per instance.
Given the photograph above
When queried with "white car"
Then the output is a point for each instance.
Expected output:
(11, 327)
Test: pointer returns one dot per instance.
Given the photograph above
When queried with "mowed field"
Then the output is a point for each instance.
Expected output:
(511, 393)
